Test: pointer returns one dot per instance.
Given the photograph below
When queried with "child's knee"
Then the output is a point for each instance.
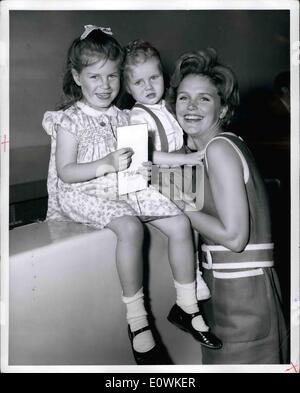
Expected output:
(183, 223)
(133, 227)
(181, 226)
(130, 227)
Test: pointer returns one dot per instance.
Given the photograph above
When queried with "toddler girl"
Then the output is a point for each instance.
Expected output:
(84, 154)
(144, 81)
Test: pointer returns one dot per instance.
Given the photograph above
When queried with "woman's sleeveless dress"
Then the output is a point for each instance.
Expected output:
(245, 306)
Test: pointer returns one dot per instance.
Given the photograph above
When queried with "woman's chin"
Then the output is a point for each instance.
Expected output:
(192, 131)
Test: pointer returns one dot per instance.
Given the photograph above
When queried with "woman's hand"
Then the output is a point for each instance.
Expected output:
(146, 170)
(116, 161)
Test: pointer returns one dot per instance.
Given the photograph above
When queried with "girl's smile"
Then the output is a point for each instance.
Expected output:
(103, 96)
(100, 83)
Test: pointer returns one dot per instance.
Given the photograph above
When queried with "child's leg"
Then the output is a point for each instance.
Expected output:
(185, 314)
(203, 291)
(196, 240)
(180, 246)
(182, 261)
(130, 234)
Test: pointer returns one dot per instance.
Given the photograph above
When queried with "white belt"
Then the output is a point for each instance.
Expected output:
(235, 265)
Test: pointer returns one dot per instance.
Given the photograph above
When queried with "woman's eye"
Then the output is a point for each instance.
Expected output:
(182, 98)
(113, 76)
(154, 77)
(204, 99)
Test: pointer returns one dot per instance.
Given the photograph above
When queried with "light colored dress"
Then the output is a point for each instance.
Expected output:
(95, 133)
(171, 127)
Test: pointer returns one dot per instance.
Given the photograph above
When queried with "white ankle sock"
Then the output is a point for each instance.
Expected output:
(186, 296)
(203, 291)
(186, 299)
(137, 319)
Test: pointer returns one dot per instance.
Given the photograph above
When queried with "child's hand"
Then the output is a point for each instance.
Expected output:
(194, 158)
(91, 189)
(146, 170)
(119, 160)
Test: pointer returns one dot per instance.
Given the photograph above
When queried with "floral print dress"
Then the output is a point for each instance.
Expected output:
(95, 133)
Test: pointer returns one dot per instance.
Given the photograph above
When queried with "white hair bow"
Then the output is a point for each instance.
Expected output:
(90, 28)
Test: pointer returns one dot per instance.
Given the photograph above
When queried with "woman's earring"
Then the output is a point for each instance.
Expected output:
(223, 113)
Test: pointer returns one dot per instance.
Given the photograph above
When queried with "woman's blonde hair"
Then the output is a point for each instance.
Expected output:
(206, 63)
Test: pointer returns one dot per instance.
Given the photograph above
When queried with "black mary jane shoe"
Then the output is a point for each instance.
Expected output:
(183, 321)
(156, 356)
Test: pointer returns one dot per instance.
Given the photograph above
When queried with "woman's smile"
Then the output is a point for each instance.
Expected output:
(198, 105)
(191, 118)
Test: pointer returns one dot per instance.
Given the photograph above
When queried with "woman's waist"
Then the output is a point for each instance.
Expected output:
(254, 255)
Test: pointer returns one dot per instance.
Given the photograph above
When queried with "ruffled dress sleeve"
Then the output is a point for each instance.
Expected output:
(52, 122)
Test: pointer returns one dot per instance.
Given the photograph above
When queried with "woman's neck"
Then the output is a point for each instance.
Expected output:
(201, 141)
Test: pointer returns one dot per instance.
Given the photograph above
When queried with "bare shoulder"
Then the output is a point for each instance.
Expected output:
(221, 149)
(222, 157)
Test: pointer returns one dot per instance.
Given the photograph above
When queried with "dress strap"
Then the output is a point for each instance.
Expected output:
(243, 160)
(161, 131)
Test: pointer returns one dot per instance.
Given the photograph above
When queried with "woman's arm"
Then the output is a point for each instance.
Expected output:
(70, 172)
(231, 226)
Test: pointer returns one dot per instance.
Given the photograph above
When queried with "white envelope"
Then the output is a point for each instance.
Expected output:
(136, 137)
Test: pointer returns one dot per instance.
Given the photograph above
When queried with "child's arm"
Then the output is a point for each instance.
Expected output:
(70, 172)
(176, 158)
(140, 116)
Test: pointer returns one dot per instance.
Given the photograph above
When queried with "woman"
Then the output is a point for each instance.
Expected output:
(234, 223)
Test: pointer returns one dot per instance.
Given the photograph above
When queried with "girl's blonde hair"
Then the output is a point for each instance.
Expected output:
(138, 52)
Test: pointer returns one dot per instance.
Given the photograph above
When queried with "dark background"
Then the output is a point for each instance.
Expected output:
(254, 43)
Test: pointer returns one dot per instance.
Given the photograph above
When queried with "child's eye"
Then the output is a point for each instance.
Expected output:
(154, 77)
(113, 76)
(94, 77)
(182, 98)
(204, 99)
(138, 83)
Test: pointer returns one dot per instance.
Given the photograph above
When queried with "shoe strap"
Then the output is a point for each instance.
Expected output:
(195, 314)
(143, 329)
